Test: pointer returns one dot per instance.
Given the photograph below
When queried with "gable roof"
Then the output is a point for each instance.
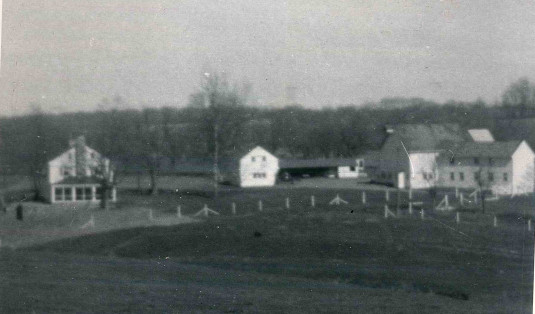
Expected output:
(429, 137)
(481, 135)
(486, 149)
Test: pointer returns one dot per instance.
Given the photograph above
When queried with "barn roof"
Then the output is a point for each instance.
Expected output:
(426, 137)
(316, 163)
(486, 149)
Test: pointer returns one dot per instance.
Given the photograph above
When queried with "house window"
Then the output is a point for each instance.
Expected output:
(476, 161)
(361, 163)
(452, 176)
(68, 193)
(491, 176)
(253, 159)
(505, 176)
(476, 176)
(430, 175)
(263, 158)
(58, 194)
(351, 168)
(70, 157)
(88, 194)
(79, 194)
(425, 175)
(461, 176)
(98, 196)
(259, 175)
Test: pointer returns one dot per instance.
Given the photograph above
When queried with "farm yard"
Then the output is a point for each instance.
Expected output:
(278, 248)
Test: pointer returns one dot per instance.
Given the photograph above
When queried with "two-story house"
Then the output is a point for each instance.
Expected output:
(74, 176)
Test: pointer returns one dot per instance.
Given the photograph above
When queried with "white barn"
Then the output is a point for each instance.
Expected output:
(70, 177)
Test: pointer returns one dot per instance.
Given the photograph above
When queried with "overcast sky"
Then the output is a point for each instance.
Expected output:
(69, 54)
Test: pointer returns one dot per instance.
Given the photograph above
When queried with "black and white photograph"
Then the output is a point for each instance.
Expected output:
(282, 156)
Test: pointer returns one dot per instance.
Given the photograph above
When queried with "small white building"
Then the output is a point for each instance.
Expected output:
(256, 168)
(72, 176)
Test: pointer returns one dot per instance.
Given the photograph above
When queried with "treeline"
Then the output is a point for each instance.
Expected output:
(196, 131)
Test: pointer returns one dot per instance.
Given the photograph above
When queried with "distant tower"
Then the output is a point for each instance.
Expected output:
(291, 94)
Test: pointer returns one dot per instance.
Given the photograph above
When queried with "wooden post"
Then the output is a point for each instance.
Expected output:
(410, 208)
(363, 197)
(205, 210)
(475, 197)
(179, 211)
(529, 224)
(312, 201)
(287, 203)
(456, 192)
(233, 208)
(387, 195)
(260, 205)
(462, 199)
(495, 222)
(410, 194)
(386, 211)
(458, 218)
(422, 214)
(447, 202)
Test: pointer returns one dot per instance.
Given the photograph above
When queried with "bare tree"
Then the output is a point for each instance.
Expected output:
(223, 120)
(105, 173)
(485, 181)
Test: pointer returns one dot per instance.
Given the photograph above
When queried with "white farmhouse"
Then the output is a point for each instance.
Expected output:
(71, 176)
(258, 168)
(503, 167)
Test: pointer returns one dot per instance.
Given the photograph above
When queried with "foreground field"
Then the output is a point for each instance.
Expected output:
(268, 258)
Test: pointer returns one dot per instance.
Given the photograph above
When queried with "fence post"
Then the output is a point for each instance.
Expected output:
(287, 203)
(529, 224)
(233, 208)
(456, 192)
(312, 201)
(179, 211)
(495, 221)
(410, 208)
(410, 194)
(363, 197)
(422, 214)
(387, 195)
(447, 202)
(260, 205)
(462, 199)
(458, 218)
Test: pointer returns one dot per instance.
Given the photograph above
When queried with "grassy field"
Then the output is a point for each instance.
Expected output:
(326, 258)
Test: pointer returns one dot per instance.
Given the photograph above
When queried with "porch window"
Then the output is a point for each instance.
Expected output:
(461, 176)
(88, 193)
(68, 193)
(58, 194)
(452, 176)
(79, 194)
(98, 196)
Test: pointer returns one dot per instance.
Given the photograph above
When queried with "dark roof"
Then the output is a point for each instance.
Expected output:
(316, 163)
(79, 180)
(486, 149)
(426, 137)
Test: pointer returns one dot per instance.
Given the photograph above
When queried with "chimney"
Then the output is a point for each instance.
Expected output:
(80, 155)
